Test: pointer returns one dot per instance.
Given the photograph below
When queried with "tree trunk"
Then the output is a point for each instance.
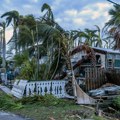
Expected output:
(1, 43)
(4, 49)
(15, 38)
(70, 74)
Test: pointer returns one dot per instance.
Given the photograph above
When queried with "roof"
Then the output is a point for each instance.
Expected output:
(106, 50)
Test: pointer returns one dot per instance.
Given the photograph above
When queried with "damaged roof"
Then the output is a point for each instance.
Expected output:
(106, 50)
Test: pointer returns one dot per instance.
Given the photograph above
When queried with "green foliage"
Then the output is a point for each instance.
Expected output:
(8, 102)
(98, 118)
(42, 69)
(47, 100)
(116, 102)
(21, 58)
(28, 70)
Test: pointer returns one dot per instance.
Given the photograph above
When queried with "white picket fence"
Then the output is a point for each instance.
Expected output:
(54, 87)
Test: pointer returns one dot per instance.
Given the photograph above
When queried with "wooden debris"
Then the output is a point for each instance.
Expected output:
(112, 109)
(82, 97)
(5, 89)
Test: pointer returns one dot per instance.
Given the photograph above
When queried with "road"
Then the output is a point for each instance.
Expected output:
(10, 116)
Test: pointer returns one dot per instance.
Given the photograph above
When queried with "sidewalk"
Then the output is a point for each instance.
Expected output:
(10, 116)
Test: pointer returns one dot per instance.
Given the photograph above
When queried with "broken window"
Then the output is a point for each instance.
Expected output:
(98, 59)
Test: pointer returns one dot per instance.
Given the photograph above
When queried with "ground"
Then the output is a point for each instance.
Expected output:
(72, 112)
(44, 108)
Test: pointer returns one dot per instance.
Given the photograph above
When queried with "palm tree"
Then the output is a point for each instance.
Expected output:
(12, 16)
(98, 37)
(51, 35)
(113, 25)
(27, 32)
(3, 26)
(26, 38)
(48, 17)
(61, 50)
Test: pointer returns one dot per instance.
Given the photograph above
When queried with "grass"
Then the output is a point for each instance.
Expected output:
(38, 112)
(46, 108)
(8, 102)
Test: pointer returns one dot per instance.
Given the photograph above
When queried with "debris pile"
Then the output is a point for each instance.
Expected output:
(105, 90)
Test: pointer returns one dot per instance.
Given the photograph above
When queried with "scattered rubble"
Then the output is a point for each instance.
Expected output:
(107, 89)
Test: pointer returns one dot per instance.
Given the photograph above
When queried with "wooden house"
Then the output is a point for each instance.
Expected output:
(106, 60)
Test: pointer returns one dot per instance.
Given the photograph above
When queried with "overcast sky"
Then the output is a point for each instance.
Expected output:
(70, 14)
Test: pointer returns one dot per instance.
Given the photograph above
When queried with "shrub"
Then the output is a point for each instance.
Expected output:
(21, 58)
(46, 100)
(7, 102)
(28, 70)
(116, 103)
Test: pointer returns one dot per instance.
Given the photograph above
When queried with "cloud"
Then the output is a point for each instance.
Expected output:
(56, 4)
(8, 1)
(27, 6)
(71, 12)
(96, 10)
(59, 20)
(35, 1)
(79, 21)
(86, 11)
(91, 14)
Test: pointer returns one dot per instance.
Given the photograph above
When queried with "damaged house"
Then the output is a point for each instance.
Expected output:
(89, 77)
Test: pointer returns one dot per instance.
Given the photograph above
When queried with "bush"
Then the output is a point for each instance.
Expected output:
(116, 103)
(46, 100)
(28, 70)
(21, 58)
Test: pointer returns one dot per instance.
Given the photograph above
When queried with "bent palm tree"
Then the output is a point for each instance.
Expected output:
(48, 17)
(12, 16)
(61, 45)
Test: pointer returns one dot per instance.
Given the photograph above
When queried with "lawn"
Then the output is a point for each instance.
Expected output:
(46, 108)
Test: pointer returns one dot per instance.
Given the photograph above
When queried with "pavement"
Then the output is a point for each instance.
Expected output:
(10, 116)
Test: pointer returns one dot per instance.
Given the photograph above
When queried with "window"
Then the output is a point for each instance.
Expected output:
(117, 56)
(109, 63)
(117, 63)
(98, 59)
